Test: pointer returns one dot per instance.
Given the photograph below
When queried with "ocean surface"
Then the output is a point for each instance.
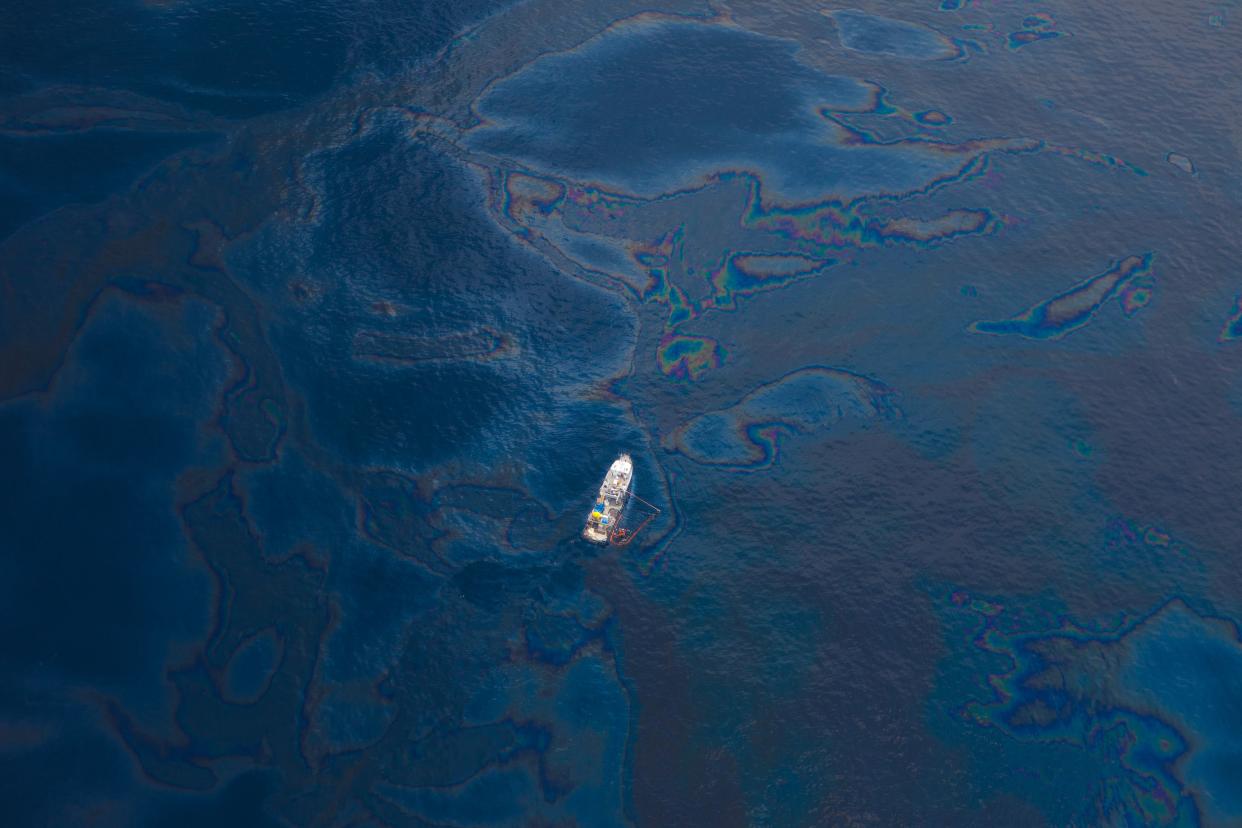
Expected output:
(320, 323)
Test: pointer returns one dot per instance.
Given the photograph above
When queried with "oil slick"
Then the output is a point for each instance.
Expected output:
(1231, 331)
(1139, 703)
(1067, 312)
(813, 400)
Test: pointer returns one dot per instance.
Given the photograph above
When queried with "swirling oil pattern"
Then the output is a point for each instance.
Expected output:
(320, 323)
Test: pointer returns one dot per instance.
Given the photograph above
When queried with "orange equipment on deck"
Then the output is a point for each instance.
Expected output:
(622, 536)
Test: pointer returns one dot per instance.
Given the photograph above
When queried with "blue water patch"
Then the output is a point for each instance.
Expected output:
(240, 801)
(99, 580)
(38, 174)
(878, 35)
(499, 797)
(225, 57)
(1186, 670)
(297, 504)
(250, 669)
(594, 708)
(578, 450)
(1037, 446)
(391, 228)
(653, 107)
(92, 770)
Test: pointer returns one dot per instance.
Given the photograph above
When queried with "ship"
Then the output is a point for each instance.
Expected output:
(613, 493)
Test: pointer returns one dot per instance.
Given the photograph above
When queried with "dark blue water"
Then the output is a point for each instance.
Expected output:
(321, 322)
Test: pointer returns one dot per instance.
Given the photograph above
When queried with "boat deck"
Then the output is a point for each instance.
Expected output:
(610, 502)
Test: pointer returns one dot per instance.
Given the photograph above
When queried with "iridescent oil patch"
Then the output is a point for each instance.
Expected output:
(1069, 311)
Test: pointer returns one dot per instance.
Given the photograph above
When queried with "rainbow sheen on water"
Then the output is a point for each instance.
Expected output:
(1067, 312)
(688, 357)
(1232, 329)
(320, 323)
